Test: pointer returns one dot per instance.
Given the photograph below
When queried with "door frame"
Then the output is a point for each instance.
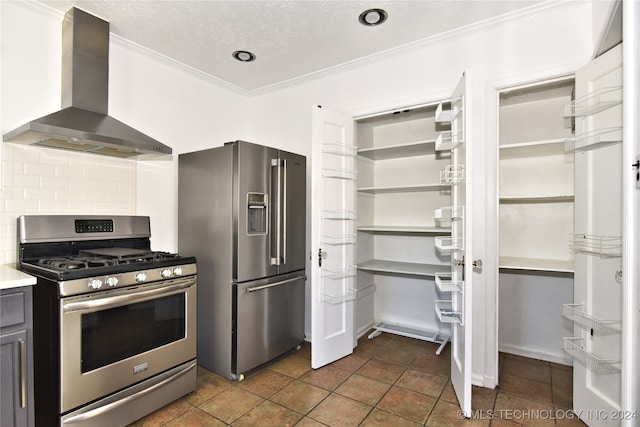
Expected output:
(488, 376)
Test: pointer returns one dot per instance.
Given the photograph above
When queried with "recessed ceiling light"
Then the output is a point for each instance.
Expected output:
(244, 56)
(372, 17)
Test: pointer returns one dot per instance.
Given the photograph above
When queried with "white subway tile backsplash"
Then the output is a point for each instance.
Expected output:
(46, 181)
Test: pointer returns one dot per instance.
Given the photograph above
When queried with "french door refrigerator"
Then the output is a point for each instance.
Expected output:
(241, 213)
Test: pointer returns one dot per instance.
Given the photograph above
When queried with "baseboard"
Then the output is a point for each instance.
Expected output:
(560, 358)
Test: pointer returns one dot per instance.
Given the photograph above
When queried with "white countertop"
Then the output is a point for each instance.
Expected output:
(10, 277)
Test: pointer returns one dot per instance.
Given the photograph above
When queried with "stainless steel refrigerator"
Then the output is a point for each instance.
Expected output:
(242, 214)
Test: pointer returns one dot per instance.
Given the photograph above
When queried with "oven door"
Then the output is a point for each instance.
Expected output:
(113, 339)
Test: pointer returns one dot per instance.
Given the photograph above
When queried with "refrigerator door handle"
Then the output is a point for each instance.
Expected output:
(283, 200)
(275, 260)
(271, 285)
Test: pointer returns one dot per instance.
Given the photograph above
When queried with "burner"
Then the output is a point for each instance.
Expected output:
(76, 262)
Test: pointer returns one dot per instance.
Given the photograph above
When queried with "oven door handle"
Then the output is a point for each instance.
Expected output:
(113, 405)
(119, 300)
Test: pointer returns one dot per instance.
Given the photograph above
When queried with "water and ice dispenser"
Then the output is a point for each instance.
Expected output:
(257, 213)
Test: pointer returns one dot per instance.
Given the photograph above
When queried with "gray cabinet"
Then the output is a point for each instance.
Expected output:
(16, 358)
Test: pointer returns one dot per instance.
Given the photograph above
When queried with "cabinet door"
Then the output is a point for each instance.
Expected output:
(597, 242)
(462, 265)
(332, 236)
(13, 360)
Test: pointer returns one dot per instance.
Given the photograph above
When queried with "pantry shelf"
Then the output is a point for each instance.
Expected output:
(536, 264)
(402, 268)
(402, 229)
(411, 332)
(403, 189)
(410, 149)
(536, 144)
(542, 198)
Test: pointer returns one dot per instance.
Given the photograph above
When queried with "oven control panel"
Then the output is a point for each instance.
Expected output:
(127, 279)
(94, 225)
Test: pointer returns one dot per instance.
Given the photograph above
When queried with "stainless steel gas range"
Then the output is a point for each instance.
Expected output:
(114, 322)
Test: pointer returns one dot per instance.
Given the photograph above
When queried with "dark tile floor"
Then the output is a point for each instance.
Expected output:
(388, 381)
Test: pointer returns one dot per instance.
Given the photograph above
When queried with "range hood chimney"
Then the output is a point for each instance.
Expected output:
(83, 123)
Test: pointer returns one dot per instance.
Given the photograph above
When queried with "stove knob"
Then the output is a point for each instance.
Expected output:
(177, 271)
(112, 281)
(166, 273)
(141, 277)
(95, 284)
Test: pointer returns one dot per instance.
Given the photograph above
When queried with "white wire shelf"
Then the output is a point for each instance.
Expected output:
(450, 212)
(575, 347)
(340, 149)
(400, 268)
(339, 174)
(338, 215)
(448, 140)
(446, 284)
(446, 111)
(602, 246)
(339, 239)
(445, 312)
(594, 138)
(350, 271)
(445, 243)
(452, 175)
(595, 102)
(575, 312)
(349, 294)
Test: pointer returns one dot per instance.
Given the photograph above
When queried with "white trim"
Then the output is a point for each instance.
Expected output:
(490, 367)
(630, 393)
(535, 354)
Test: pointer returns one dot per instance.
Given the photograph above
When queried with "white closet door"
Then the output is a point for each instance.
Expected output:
(462, 259)
(596, 344)
(333, 206)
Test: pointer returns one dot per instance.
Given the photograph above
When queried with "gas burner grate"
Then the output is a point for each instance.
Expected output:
(76, 262)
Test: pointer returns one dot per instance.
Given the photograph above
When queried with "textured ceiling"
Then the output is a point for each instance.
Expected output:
(289, 38)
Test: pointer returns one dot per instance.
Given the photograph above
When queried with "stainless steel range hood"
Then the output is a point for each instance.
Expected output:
(83, 123)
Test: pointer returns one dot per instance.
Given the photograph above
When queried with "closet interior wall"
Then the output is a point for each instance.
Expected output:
(399, 191)
(536, 211)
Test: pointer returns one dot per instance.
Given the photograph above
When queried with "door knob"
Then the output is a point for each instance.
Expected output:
(321, 256)
(477, 263)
